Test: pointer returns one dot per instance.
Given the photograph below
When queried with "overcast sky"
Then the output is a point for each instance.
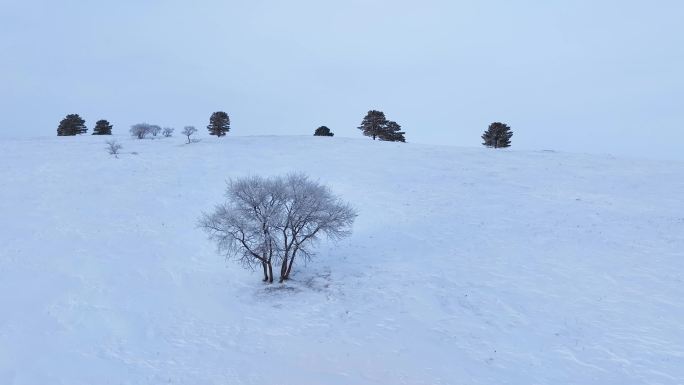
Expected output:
(596, 76)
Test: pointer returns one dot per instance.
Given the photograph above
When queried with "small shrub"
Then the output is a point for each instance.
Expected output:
(113, 147)
(323, 131)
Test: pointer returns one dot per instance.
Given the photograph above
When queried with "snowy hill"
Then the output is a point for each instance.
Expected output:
(466, 266)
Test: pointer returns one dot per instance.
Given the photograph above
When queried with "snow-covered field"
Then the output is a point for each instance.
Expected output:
(466, 266)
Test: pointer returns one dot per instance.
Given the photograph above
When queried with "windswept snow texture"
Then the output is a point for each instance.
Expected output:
(466, 266)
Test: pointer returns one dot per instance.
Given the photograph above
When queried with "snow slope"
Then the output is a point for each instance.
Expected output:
(466, 266)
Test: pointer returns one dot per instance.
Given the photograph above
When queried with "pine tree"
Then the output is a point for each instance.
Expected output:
(373, 124)
(219, 124)
(323, 131)
(71, 125)
(102, 127)
(498, 135)
(392, 133)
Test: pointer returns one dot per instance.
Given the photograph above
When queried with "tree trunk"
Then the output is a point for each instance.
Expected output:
(283, 268)
(270, 273)
(265, 271)
(289, 268)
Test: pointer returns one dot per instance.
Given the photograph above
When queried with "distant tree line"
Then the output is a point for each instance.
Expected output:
(73, 124)
(374, 125)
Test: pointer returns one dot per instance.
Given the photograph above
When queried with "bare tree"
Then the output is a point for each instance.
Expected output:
(189, 131)
(155, 130)
(113, 147)
(274, 220)
(167, 132)
(243, 226)
(141, 130)
(310, 211)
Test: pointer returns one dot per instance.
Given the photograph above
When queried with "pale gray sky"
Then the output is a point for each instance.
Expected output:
(577, 75)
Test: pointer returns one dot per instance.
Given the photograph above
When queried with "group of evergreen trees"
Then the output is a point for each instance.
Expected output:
(73, 124)
(375, 125)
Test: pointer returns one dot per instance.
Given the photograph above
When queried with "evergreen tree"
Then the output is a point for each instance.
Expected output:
(392, 133)
(71, 125)
(102, 127)
(498, 135)
(219, 124)
(373, 124)
(323, 131)
(376, 125)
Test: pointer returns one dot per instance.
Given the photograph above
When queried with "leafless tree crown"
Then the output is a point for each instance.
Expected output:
(267, 221)
(141, 130)
(155, 130)
(189, 131)
(113, 147)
